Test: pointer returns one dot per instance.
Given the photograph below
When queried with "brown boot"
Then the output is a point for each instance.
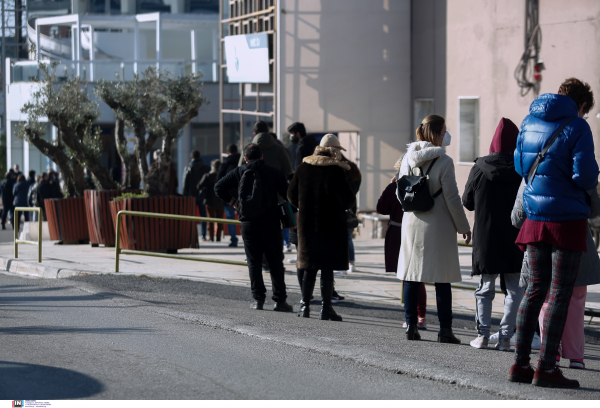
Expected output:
(520, 374)
(555, 379)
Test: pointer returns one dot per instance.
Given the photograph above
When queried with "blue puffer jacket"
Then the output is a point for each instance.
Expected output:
(569, 168)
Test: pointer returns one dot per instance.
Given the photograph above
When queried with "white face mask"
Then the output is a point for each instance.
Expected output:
(447, 139)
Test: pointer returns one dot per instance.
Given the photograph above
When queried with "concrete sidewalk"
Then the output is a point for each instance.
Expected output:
(369, 283)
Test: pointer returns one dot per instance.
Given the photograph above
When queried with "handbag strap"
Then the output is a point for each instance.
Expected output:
(430, 166)
(542, 154)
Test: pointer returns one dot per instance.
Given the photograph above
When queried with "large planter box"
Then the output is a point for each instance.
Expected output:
(155, 234)
(101, 225)
(66, 220)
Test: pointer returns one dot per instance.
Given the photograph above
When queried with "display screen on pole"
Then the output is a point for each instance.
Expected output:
(247, 58)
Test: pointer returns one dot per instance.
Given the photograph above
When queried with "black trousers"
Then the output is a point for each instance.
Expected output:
(264, 237)
(443, 299)
(5, 211)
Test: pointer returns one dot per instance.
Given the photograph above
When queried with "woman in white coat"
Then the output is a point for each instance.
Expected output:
(429, 251)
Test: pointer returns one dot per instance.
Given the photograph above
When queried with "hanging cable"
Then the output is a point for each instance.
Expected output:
(528, 69)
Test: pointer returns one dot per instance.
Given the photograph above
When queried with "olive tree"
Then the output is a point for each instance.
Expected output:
(68, 107)
(154, 105)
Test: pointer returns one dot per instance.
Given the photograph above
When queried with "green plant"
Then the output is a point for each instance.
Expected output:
(130, 195)
(155, 106)
(78, 145)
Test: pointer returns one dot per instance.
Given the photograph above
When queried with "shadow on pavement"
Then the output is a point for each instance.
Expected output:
(37, 382)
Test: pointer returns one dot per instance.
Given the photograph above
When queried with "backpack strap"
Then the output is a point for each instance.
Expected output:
(542, 154)
(430, 166)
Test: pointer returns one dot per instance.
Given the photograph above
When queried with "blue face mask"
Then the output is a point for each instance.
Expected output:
(447, 139)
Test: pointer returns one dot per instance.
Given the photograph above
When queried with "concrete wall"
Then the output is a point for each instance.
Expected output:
(346, 67)
(485, 42)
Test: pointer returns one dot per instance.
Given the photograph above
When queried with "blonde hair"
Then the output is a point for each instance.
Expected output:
(430, 129)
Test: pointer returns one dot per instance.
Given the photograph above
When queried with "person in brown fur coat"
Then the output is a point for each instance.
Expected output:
(322, 193)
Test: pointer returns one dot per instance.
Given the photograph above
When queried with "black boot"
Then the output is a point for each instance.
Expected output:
(446, 336)
(412, 332)
(327, 312)
(308, 286)
(300, 275)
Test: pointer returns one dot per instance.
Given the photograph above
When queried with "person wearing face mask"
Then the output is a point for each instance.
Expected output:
(429, 250)
(491, 191)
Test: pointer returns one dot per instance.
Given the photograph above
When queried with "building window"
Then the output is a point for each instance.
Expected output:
(423, 108)
(468, 129)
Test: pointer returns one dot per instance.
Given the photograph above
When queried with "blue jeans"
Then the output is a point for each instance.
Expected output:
(230, 214)
(350, 246)
(286, 237)
(202, 210)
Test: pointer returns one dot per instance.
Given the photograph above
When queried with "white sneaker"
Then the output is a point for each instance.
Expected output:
(292, 260)
(352, 268)
(287, 248)
(340, 272)
(536, 343)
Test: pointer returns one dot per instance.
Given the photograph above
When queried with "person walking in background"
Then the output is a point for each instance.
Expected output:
(388, 204)
(306, 144)
(490, 191)
(321, 192)
(55, 185)
(294, 139)
(191, 177)
(258, 185)
(429, 249)
(31, 179)
(554, 232)
(573, 338)
(230, 162)
(7, 198)
(214, 206)
(20, 194)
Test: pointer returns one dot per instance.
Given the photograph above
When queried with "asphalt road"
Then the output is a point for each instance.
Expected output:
(60, 342)
(122, 337)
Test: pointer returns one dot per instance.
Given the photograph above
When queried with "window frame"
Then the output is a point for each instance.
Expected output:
(459, 161)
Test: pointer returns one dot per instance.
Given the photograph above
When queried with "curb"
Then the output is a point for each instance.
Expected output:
(32, 269)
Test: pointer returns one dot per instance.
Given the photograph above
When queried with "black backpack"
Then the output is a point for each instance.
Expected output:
(413, 191)
(250, 195)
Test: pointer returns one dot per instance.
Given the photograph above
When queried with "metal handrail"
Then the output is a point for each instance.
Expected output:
(22, 241)
(119, 251)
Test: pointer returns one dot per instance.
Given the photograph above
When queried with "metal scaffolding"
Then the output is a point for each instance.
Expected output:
(249, 17)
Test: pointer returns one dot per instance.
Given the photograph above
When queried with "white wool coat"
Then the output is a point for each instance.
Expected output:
(429, 251)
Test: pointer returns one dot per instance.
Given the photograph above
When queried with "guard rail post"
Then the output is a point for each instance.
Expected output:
(22, 241)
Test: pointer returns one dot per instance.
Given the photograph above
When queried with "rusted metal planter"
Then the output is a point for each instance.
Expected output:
(67, 220)
(154, 234)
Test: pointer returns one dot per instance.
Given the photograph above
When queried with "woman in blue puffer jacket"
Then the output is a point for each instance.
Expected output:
(554, 233)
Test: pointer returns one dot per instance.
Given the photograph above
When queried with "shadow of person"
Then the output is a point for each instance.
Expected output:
(38, 382)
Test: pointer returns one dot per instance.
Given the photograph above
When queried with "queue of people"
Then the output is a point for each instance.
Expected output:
(531, 195)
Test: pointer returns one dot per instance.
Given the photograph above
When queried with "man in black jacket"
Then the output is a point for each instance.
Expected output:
(230, 162)
(191, 177)
(7, 197)
(306, 145)
(261, 230)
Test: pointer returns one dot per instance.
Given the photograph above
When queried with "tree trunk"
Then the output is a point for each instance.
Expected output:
(131, 179)
(78, 178)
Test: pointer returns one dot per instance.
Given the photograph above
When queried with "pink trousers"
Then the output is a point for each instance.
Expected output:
(573, 338)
